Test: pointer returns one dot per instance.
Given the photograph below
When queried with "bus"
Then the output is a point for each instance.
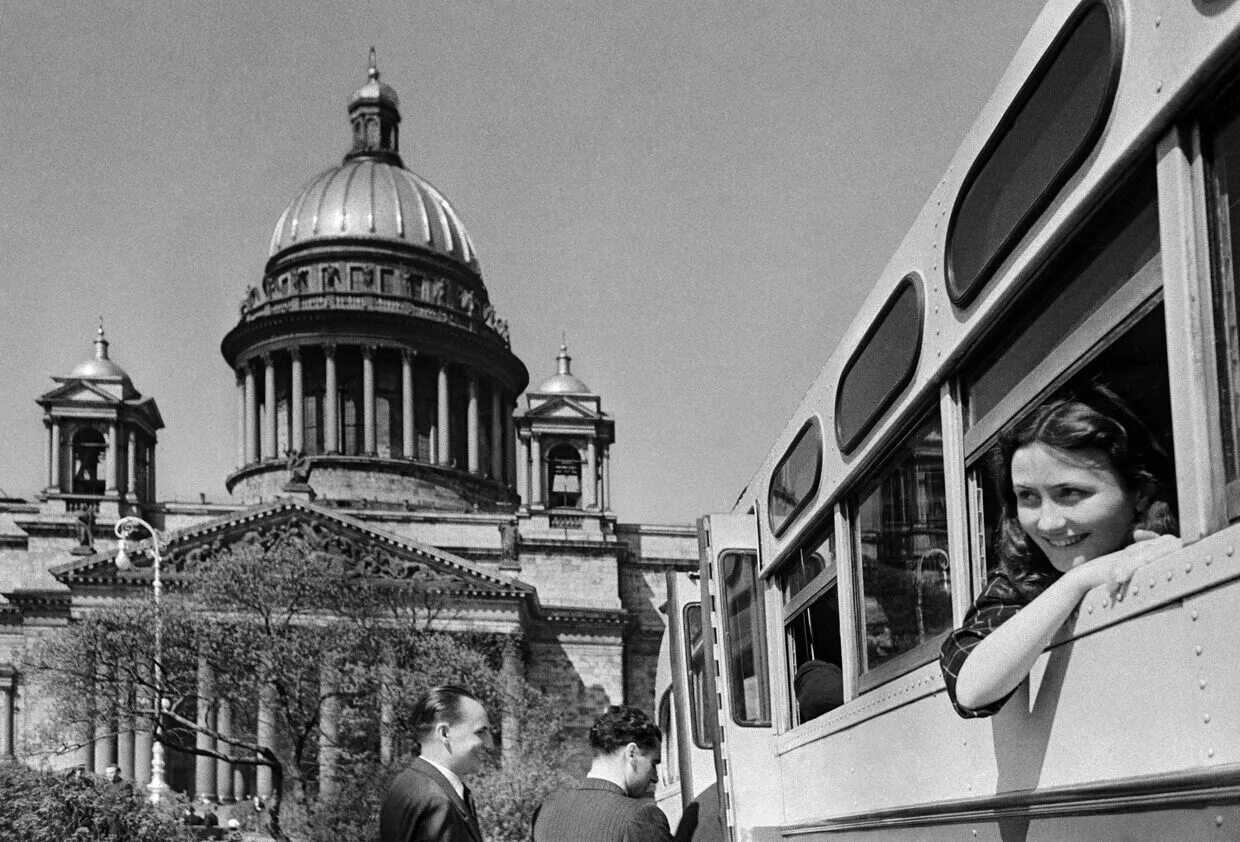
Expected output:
(1082, 233)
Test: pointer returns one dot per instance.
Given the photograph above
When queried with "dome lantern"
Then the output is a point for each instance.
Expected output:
(374, 113)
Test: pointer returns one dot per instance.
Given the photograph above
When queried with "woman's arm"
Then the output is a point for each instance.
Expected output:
(1002, 661)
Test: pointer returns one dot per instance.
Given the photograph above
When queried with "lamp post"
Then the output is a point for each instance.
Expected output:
(124, 528)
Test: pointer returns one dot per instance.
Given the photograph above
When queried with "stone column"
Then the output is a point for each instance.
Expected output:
(224, 769)
(523, 471)
(131, 465)
(297, 435)
(240, 418)
(266, 735)
(408, 430)
(269, 408)
(471, 423)
(6, 718)
(113, 468)
(510, 674)
(606, 506)
(536, 470)
(368, 400)
(445, 451)
(251, 415)
(497, 441)
(589, 479)
(105, 719)
(53, 455)
(331, 412)
(125, 744)
(204, 766)
(387, 710)
(142, 740)
(329, 728)
(510, 449)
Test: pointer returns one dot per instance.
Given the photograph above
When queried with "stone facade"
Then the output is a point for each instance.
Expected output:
(378, 403)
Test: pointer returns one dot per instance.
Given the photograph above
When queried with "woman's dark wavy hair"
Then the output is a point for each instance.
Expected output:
(1092, 418)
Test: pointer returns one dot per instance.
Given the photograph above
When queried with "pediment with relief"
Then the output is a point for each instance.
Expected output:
(79, 391)
(564, 408)
(342, 542)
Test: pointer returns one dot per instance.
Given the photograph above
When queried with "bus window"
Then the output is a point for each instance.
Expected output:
(744, 642)
(796, 477)
(812, 630)
(905, 581)
(1221, 137)
(669, 769)
(695, 668)
(1093, 315)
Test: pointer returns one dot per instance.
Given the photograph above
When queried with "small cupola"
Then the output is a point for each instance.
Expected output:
(374, 113)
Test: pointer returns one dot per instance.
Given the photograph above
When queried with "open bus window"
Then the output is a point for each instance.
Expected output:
(695, 663)
(1134, 366)
(1093, 314)
(1221, 136)
(905, 582)
(744, 642)
(807, 583)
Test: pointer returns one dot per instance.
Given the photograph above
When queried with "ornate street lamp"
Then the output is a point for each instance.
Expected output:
(124, 528)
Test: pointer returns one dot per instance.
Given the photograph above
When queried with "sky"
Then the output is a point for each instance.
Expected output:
(696, 195)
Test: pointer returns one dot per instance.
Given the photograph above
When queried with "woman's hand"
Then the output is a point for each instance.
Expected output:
(1117, 568)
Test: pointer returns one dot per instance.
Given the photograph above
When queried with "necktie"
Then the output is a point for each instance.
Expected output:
(469, 806)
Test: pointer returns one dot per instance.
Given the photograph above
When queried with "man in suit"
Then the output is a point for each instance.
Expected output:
(429, 801)
(610, 804)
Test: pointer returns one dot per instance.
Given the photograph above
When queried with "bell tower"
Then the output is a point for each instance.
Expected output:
(565, 441)
(101, 435)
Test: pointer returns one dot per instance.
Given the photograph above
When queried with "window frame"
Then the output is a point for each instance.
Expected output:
(795, 512)
(897, 388)
(697, 713)
(815, 588)
(963, 297)
(927, 651)
(761, 654)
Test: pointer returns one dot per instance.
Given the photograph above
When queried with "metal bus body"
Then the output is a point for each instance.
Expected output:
(1082, 231)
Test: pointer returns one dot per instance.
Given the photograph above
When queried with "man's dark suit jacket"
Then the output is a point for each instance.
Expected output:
(421, 806)
(599, 811)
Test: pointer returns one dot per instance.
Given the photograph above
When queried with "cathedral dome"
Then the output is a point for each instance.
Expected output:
(375, 198)
(371, 195)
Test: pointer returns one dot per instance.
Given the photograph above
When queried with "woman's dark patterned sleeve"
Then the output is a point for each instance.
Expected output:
(998, 602)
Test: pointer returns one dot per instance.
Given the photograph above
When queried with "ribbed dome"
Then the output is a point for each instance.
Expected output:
(373, 198)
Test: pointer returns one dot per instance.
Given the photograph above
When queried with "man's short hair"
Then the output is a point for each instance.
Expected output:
(622, 725)
(438, 704)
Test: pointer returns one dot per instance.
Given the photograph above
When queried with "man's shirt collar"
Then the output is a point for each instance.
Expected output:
(456, 782)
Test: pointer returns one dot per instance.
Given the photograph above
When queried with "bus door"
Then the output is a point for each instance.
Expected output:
(733, 597)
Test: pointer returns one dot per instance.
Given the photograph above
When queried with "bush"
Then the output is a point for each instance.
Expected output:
(58, 807)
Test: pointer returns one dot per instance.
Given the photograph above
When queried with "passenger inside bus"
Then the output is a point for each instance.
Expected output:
(1086, 499)
(819, 687)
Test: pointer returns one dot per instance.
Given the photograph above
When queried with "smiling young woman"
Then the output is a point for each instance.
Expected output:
(1085, 502)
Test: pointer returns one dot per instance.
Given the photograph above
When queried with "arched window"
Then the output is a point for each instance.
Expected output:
(564, 477)
(89, 448)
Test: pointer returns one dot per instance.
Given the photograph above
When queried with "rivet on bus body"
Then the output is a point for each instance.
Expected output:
(1230, 550)
(1169, 575)
(1157, 21)
(1209, 560)
(1188, 567)
(1158, 88)
(1198, 649)
(1089, 608)
(1205, 717)
(1193, 614)
(1202, 683)
(1218, 820)
(1151, 583)
(1209, 752)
